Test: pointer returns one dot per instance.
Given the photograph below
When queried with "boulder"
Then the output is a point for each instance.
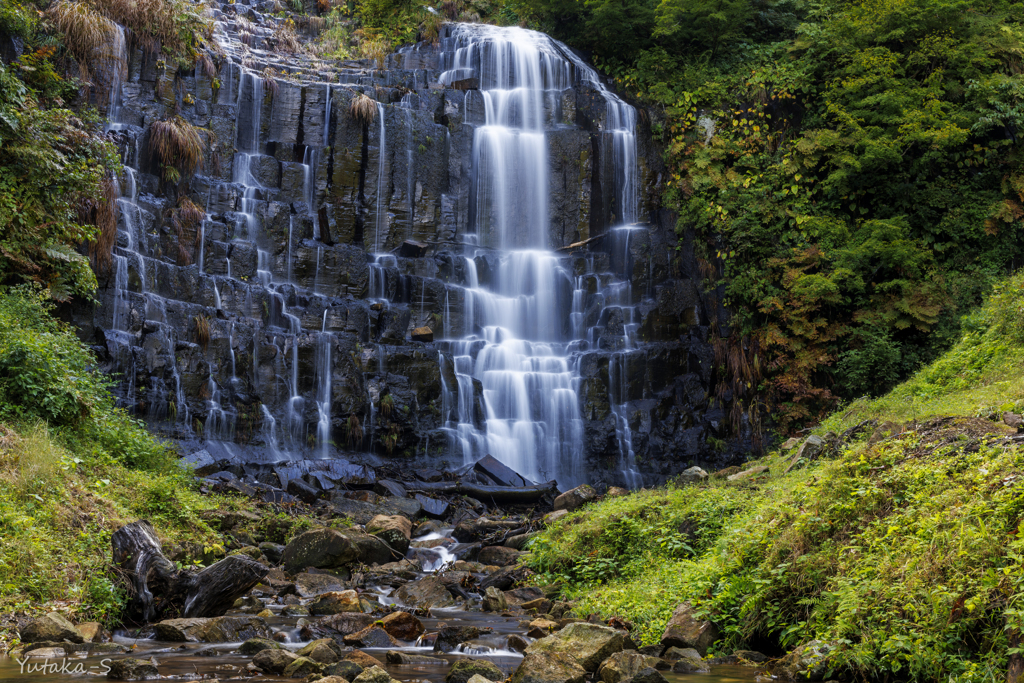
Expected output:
(553, 517)
(692, 475)
(374, 636)
(345, 669)
(212, 630)
(494, 600)
(362, 659)
(133, 669)
(300, 667)
(272, 661)
(649, 675)
(517, 643)
(575, 498)
(811, 448)
(93, 632)
(685, 629)
(334, 625)
(374, 674)
(395, 530)
(308, 585)
(335, 602)
(254, 646)
(538, 605)
(423, 334)
(616, 492)
(687, 661)
(622, 666)
(674, 653)
(807, 662)
(790, 443)
(402, 625)
(272, 551)
(450, 637)
(549, 667)
(397, 657)
(426, 593)
(498, 556)
(752, 656)
(752, 473)
(52, 627)
(589, 644)
(324, 651)
(331, 548)
(465, 669)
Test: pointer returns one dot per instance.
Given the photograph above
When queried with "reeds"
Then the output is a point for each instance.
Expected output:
(430, 28)
(201, 331)
(354, 431)
(178, 146)
(363, 108)
(102, 213)
(186, 219)
(376, 49)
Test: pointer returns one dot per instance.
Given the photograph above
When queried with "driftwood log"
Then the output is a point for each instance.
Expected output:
(159, 590)
(504, 494)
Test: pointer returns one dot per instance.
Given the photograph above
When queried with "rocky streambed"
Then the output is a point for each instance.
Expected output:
(392, 599)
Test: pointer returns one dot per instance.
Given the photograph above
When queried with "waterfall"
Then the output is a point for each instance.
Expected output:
(517, 330)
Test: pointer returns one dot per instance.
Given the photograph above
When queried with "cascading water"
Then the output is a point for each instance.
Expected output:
(289, 279)
(518, 329)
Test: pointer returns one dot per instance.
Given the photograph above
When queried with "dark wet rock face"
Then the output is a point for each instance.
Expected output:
(313, 313)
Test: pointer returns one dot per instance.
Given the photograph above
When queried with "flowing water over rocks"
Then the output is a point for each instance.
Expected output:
(408, 286)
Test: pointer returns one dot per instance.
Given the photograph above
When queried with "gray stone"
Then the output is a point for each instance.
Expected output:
(686, 630)
(331, 548)
(551, 667)
(693, 475)
(575, 498)
(426, 593)
(498, 556)
(494, 600)
(589, 644)
(256, 645)
(133, 669)
(212, 630)
(51, 627)
(624, 665)
(465, 669)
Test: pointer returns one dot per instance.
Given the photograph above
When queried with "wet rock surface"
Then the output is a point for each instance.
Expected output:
(310, 314)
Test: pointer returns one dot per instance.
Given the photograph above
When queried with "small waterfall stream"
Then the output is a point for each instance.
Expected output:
(520, 326)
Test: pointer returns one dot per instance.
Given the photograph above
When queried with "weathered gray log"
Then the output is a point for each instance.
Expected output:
(508, 494)
(504, 494)
(159, 590)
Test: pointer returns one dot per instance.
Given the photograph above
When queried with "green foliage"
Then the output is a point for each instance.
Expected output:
(51, 162)
(896, 552)
(48, 375)
(852, 172)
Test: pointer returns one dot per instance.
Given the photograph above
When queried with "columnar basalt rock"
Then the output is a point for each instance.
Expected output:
(280, 327)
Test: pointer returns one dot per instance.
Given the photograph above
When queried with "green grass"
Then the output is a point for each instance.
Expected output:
(901, 549)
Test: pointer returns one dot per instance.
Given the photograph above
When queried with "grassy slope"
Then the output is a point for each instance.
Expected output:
(901, 547)
(73, 468)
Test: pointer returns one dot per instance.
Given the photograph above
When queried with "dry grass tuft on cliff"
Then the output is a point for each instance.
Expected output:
(178, 146)
(363, 108)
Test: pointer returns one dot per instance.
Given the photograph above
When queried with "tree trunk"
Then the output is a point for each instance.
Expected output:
(159, 590)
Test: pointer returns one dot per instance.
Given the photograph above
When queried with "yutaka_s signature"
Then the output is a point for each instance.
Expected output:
(29, 665)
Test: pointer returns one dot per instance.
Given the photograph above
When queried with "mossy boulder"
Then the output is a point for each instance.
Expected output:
(465, 669)
(588, 644)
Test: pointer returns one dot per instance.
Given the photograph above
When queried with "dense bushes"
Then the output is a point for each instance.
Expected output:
(902, 550)
(852, 170)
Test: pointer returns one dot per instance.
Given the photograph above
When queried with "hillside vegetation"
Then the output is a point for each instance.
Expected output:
(899, 545)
